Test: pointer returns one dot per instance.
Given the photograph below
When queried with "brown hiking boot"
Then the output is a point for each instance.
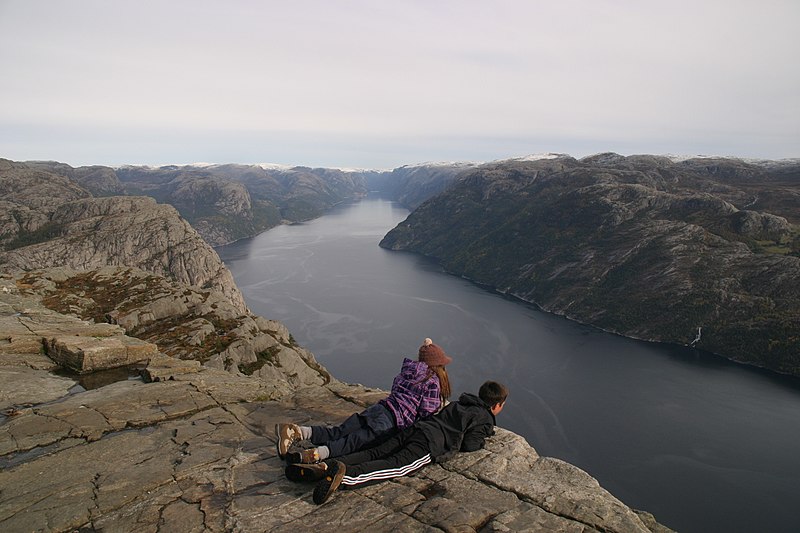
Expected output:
(333, 478)
(308, 456)
(287, 435)
(299, 472)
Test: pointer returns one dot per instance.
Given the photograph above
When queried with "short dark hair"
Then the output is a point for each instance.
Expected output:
(492, 393)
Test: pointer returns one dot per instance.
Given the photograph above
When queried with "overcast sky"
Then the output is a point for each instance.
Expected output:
(380, 84)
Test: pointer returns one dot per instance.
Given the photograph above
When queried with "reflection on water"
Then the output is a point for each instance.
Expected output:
(702, 443)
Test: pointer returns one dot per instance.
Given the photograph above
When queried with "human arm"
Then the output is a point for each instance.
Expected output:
(475, 437)
(430, 400)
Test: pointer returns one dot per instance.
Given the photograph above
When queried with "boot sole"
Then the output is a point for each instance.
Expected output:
(302, 472)
(326, 487)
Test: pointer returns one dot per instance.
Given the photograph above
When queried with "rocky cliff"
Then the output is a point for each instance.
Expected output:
(700, 252)
(190, 447)
(51, 221)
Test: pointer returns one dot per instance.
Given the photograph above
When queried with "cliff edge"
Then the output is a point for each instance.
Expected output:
(185, 446)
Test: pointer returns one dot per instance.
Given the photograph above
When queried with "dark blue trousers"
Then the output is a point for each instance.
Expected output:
(360, 430)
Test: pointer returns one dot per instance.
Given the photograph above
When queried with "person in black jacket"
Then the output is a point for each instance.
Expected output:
(460, 426)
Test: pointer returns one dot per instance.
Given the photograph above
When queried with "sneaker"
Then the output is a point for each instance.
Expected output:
(287, 435)
(300, 472)
(308, 456)
(333, 478)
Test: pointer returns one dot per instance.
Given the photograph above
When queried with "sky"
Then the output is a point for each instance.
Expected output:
(381, 84)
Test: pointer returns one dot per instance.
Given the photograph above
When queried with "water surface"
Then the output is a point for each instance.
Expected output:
(702, 443)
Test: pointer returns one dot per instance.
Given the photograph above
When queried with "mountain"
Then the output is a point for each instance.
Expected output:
(701, 252)
(48, 220)
(97, 179)
(225, 202)
(229, 202)
(410, 185)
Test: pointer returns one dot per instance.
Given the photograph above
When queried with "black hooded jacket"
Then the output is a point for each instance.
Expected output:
(460, 426)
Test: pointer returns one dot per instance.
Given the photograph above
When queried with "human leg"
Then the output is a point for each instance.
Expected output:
(399, 456)
(351, 442)
(325, 434)
(383, 449)
(358, 431)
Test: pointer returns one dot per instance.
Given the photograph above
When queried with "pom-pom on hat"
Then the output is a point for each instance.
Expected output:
(433, 355)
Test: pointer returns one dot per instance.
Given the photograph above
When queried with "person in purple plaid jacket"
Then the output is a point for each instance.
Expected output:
(418, 391)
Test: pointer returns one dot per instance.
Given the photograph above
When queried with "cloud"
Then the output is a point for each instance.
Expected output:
(611, 73)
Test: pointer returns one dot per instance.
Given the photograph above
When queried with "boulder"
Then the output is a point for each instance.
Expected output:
(88, 354)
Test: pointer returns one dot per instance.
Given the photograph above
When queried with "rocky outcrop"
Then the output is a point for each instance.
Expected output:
(50, 222)
(643, 246)
(27, 197)
(96, 232)
(185, 323)
(191, 448)
(87, 354)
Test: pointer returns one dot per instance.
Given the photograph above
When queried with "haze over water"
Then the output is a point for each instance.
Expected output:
(702, 443)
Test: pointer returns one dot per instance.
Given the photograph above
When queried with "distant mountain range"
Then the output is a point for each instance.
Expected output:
(223, 203)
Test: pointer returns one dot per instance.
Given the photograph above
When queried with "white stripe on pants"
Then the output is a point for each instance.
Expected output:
(387, 473)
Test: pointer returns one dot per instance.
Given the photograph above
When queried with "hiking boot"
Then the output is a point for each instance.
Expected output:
(333, 478)
(308, 456)
(300, 472)
(287, 435)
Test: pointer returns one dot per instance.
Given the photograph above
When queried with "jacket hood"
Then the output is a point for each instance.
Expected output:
(413, 370)
(467, 398)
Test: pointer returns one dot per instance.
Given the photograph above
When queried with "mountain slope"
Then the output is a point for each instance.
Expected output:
(641, 246)
(50, 221)
(229, 202)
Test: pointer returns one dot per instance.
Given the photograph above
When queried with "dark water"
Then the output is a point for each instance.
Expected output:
(702, 443)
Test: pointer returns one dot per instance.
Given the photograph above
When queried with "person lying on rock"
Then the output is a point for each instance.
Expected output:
(461, 426)
(418, 391)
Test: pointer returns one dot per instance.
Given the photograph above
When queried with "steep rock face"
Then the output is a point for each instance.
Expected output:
(48, 220)
(27, 197)
(127, 231)
(220, 210)
(638, 246)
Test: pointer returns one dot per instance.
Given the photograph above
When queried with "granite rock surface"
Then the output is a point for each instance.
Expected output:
(184, 446)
